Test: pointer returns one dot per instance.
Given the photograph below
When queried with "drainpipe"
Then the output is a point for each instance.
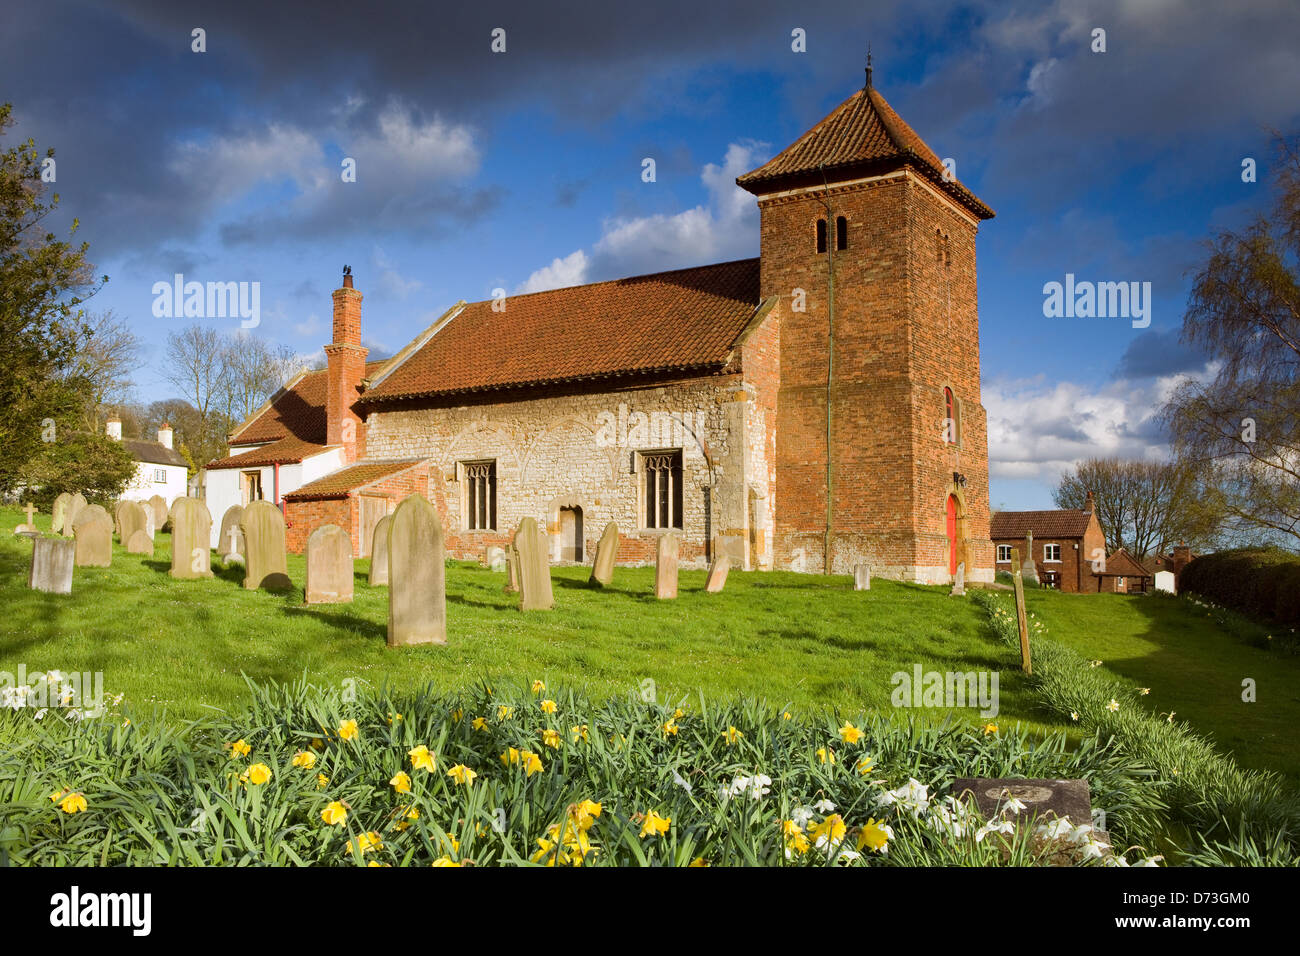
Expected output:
(831, 233)
(276, 487)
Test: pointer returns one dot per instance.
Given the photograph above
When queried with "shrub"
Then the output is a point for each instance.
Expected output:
(1262, 582)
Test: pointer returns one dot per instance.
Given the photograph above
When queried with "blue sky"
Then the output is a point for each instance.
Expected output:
(521, 170)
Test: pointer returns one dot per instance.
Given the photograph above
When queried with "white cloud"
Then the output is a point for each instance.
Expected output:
(390, 280)
(724, 228)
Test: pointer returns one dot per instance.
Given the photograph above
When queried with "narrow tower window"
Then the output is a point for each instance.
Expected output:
(821, 235)
(841, 233)
(951, 416)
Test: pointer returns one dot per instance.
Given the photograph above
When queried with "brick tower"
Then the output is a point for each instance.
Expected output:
(870, 247)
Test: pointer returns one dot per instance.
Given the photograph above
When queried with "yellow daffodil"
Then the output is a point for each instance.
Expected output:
(990, 729)
(793, 835)
(457, 715)
(551, 738)
(504, 712)
(367, 842)
(393, 717)
(304, 759)
(321, 781)
(239, 748)
(850, 734)
(699, 861)
(401, 782)
(874, 836)
(831, 829)
(787, 716)
(584, 814)
(57, 795)
(731, 734)
(462, 775)
(655, 825)
(670, 728)
(258, 774)
(548, 707)
(510, 756)
(532, 763)
(348, 729)
(579, 732)
(73, 803)
(422, 759)
(335, 813)
(538, 686)
(825, 755)
(866, 765)
(444, 861)
(480, 723)
(678, 714)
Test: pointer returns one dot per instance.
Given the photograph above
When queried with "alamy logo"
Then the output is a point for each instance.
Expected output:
(74, 908)
(1102, 300)
(949, 689)
(623, 429)
(212, 300)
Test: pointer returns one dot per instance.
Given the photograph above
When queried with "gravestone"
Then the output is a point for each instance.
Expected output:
(52, 561)
(862, 577)
(1029, 568)
(191, 539)
(264, 558)
(1064, 799)
(494, 558)
(717, 579)
(92, 513)
(512, 570)
(666, 566)
(59, 513)
(28, 526)
(76, 504)
(379, 552)
(533, 568)
(959, 585)
(417, 575)
(602, 568)
(131, 518)
(139, 542)
(329, 566)
(159, 505)
(148, 520)
(94, 542)
(118, 507)
(230, 540)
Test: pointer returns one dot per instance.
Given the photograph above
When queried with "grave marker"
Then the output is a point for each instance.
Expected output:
(533, 567)
(329, 566)
(862, 577)
(379, 552)
(602, 568)
(230, 539)
(264, 557)
(29, 526)
(59, 513)
(191, 540)
(159, 505)
(666, 566)
(139, 542)
(52, 561)
(717, 579)
(131, 517)
(417, 575)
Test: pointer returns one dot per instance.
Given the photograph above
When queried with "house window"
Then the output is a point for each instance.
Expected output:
(1052, 552)
(160, 476)
(1004, 553)
(841, 233)
(1119, 585)
(481, 495)
(663, 488)
(821, 235)
(941, 254)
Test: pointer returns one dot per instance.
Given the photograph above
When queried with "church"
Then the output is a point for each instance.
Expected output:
(812, 409)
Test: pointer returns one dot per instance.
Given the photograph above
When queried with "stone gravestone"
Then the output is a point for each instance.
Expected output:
(150, 526)
(417, 575)
(666, 566)
(118, 508)
(717, 579)
(1043, 798)
(52, 561)
(159, 505)
(379, 552)
(1030, 569)
(533, 567)
(191, 539)
(602, 568)
(494, 558)
(264, 558)
(329, 566)
(28, 526)
(959, 585)
(512, 570)
(862, 577)
(94, 533)
(59, 513)
(131, 517)
(139, 542)
(76, 504)
(230, 540)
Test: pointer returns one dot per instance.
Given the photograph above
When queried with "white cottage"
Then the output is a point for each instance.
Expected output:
(159, 468)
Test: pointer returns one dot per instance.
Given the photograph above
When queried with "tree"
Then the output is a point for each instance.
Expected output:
(88, 462)
(255, 370)
(198, 365)
(43, 282)
(1243, 425)
(103, 363)
(1142, 506)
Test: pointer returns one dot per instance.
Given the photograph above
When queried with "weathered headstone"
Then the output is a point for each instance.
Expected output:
(379, 552)
(118, 507)
(717, 579)
(666, 566)
(139, 542)
(76, 504)
(534, 568)
(131, 517)
(59, 513)
(92, 513)
(1029, 568)
(159, 505)
(862, 577)
(602, 568)
(494, 558)
(52, 561)
(512, 570)
(959, 585)
(29, 526)
(94, 542)
(417, 575)
(265, 565)
(1022, 621)
(191, 539)
(230, 540)
(329, 566)
(1063, 799)
(149, 525)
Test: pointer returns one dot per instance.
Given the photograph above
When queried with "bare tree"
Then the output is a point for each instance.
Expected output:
(197, 364)
(255, 370)
(105, 359)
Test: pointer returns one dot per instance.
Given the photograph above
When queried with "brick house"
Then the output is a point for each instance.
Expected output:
(1173, 561)
(812, 409)
(1065, 543)
(1123, 574)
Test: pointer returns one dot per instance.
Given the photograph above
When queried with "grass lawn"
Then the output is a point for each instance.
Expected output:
(789, 638)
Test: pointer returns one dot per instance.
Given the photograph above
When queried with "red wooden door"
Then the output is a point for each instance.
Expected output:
(952, 535)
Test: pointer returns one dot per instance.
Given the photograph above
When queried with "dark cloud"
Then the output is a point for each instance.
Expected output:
(1155, 353)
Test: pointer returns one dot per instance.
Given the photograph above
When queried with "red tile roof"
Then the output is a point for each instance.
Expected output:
(345, 480)
(862, 135)
(297, 412)
(1119, 563)
(1066, 523)
(685, 320)
(283, 452)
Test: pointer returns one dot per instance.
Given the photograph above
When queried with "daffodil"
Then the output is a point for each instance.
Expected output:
(367, 842)
(347, 730)
(866, 764)
(239, 748)
(335, 813)
(655, 825)
(422, 759)
(579, 732)
(732, 735)
(479, 723)
(504, 712)
(73, 803)
(321, 781)
(532, 763)
(548, 707)
(538, 686)
(826, 755)
(830, 832)
(990, 729)
(462, 774)
(510, 756)
(669, 728)
(699, 861)
(551, 738)
(401, 782)
(875, 836)
(444, 861)
(457, 715)
(850, 734)
(304, 759)
(259, 773)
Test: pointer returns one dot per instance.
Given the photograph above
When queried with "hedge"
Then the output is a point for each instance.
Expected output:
(1261, 582)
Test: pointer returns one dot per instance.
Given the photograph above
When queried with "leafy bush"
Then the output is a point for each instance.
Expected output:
(1262, 582)
(308, 777)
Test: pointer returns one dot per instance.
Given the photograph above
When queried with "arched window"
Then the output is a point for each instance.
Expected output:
(841, 233)
(821, 235)
(951, 417)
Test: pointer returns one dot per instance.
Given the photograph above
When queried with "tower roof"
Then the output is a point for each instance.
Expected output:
(862, 136)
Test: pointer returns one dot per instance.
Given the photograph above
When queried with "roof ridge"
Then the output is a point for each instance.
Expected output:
(647, 275)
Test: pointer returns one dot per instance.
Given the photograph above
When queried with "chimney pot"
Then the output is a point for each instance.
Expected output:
(165, 435)
(114, 428)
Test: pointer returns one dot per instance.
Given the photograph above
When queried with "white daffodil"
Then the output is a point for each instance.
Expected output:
(1055, 830)
(681, 781)
(995, 826)
(824, 806)
(801, 815)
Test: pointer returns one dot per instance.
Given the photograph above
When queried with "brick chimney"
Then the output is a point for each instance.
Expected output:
(1089, 503)
(346, 360)
(1182, 557)
(113, 428)
(165, 435)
